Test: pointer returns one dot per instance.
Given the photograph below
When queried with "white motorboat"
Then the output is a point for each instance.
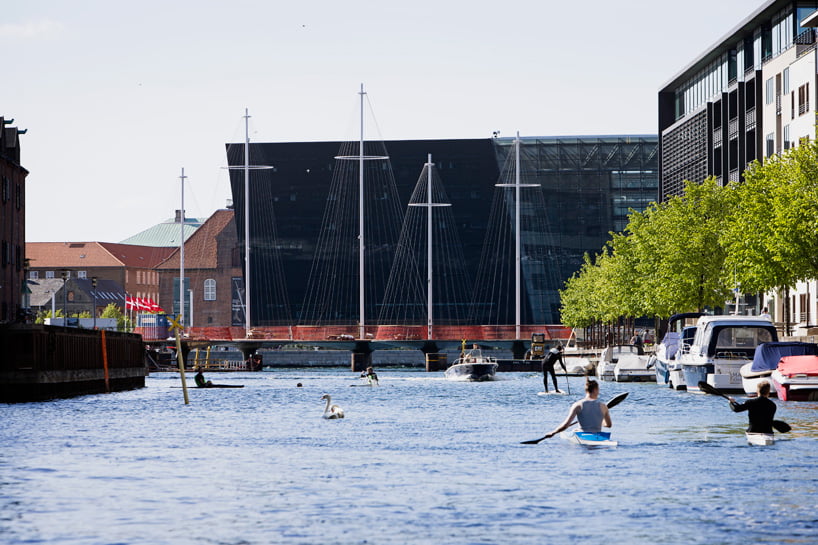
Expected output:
(766, 359)
(722, 345)
(633, 368)
(472, 366)
(676, 341)
(628, 353)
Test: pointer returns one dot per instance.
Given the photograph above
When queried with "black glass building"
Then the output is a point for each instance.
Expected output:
(578, 190)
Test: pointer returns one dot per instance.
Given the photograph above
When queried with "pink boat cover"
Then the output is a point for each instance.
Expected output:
(798, 365)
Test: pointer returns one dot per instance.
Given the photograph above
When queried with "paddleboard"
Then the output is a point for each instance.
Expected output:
(560, 393)
(760, 439)
(194, 387)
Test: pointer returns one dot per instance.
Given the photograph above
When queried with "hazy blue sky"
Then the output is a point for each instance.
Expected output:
(118, 97)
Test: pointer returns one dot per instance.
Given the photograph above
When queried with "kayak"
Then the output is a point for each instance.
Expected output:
(760, 439)
(589, 439)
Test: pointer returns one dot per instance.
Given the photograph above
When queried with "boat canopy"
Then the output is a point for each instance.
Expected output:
(767, 354)
(798, 365)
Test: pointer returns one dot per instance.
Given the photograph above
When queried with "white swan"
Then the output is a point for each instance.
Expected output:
(332, 411)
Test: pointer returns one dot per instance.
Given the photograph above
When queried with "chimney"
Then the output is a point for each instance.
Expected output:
(178, 217)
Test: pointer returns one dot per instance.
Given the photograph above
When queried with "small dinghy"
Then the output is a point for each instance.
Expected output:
(760, 439)
(589, 439)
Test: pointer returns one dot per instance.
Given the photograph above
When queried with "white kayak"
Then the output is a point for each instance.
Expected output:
(589, 439)
(760, 439)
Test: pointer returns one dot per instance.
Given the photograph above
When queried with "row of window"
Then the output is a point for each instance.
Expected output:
(209, 288)
(5, 192)
(750, 52)
(11, 254)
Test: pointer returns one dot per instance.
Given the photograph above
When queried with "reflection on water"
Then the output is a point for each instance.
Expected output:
(416, 460)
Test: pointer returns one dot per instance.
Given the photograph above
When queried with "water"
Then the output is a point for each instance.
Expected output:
(418, 460)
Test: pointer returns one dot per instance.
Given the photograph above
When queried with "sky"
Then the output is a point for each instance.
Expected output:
(117, 98)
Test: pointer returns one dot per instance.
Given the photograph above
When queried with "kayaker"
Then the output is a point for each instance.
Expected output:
(760, 410)
(370, 375)
(591, 413)
(549, 362)
(200, 380)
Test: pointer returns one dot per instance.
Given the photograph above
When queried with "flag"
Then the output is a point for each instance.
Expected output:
(142, 304)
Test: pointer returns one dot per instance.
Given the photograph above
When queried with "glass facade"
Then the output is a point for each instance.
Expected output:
(587, 186)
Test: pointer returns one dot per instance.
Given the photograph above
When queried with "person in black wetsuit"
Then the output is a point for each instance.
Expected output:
(760, 410)
(548, 363)
(200, 380)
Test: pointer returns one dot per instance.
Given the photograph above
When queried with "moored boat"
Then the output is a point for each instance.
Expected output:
(611, 356)
(722, 345)
(676, 341)
(472, 366)
(760, 439)
(766, 359)
(796, 378)
(589, 439)
(633, 368)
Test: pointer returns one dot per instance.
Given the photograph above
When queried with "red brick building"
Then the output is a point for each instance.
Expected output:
(132, 267)
(12, 224)
(213, 275)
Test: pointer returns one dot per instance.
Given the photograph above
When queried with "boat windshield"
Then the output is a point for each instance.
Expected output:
(740, 342)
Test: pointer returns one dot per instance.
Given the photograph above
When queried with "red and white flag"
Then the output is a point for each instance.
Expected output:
(142, 304)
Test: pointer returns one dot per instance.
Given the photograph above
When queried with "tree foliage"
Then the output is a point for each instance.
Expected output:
(669, 259)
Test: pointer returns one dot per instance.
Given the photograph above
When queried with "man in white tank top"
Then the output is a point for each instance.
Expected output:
(591, 413)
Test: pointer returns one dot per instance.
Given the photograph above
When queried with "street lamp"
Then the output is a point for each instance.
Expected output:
(64, 299)
(94, 308)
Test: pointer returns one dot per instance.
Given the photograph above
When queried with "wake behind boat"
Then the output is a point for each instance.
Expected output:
(472, 366)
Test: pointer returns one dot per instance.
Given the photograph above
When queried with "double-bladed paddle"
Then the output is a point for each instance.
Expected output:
(779, 425)
(616, 400)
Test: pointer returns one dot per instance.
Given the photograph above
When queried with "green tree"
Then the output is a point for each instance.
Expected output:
(771, 236)
(113, 311)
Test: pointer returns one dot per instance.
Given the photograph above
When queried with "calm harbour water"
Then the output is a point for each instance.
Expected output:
(417, 460)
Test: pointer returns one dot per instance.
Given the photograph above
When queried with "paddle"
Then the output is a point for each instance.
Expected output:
(779, 425)
(616, 400)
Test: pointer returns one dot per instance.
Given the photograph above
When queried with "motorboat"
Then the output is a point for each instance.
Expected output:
(472, 366)
(664, 360)
(605, 365)
(766, 359)
(721, 346)
(796, 378)
(631, 367)
(611, 355)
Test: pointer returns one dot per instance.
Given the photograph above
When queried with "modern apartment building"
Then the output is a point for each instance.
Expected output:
(747, 97)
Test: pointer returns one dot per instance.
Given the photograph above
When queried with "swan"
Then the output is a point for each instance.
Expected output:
(332, 411)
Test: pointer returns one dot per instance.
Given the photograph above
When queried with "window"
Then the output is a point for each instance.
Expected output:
(769, 93)
(786, 81)
(786, 137)
(81, 274)
(210, 290)
(770, 144)
(34, 275)
(803, 99)
(49, 274)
